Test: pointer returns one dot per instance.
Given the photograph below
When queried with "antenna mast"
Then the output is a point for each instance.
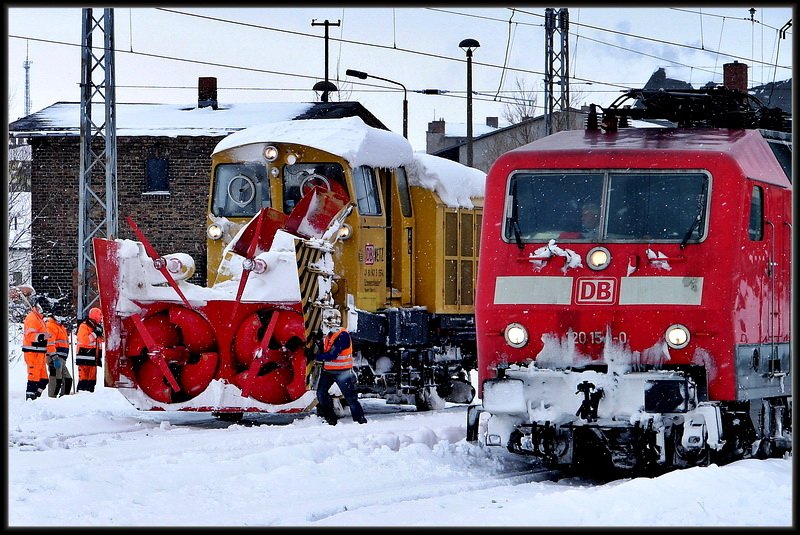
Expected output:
(27, 65)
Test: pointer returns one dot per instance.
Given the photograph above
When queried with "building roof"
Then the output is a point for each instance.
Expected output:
(171, 120)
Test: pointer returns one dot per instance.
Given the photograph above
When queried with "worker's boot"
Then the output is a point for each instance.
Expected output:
(66, 389)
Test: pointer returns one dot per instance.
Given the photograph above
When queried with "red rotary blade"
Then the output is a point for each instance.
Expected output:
(155, 352)
(154, 256)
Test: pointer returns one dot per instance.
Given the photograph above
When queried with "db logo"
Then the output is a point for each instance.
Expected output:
(369, 254)
(595, 291)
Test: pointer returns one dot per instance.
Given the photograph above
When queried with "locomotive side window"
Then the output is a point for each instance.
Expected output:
(240, 190)
(756, 228)
(366, 191)
(655, 206)
(783, 153)
(551, 205)
(405, 193)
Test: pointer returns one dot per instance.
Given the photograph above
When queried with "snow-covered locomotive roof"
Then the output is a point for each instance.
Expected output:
(350, 138)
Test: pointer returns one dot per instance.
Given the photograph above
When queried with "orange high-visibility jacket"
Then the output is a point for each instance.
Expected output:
(32, 327)
(345, 359)
(88, 345)
(57, 339)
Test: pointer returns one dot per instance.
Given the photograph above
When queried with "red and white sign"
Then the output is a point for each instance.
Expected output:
(595, 291)
(369, 254)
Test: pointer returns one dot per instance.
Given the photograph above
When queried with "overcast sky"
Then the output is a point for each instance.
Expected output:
(277, 54)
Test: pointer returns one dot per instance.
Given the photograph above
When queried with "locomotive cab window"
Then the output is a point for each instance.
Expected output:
(366, 186)
(547, 206)
(756, 227)
(240, 190)
(405, 193)
(610, 206)
(300, 178)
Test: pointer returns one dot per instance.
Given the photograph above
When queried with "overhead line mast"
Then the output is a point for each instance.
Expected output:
(556, 68)
(97, 206)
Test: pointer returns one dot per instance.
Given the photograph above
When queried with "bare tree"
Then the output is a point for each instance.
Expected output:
(19, 230)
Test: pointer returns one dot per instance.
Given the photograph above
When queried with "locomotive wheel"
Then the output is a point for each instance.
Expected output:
(427, 399)
(187, 343)
(277, 375)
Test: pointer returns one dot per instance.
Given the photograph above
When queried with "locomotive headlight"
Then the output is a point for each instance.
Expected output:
(214, 231)
(516, 335)
(598, 258)
(345, 231)
(271, 153)
(677, 336)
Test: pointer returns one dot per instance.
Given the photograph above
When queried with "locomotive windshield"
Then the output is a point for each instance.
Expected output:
(240, 190)
(607, 206)
(300, 178)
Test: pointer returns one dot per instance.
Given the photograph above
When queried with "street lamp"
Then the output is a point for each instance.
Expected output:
(468, 45)
(326, 87)
(364, 76)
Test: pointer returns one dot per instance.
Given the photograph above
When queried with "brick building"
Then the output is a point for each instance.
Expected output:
(163, 166)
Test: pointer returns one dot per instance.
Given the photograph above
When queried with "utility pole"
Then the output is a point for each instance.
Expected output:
(96, 217)
(556, 67)
(327, 25)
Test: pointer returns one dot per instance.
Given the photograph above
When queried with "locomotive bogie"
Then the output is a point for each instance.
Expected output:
(550, 413)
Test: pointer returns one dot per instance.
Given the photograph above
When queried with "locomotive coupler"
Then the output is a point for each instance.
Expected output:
(591, 400)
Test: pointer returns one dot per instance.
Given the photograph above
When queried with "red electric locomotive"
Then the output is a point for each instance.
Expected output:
(634, 289)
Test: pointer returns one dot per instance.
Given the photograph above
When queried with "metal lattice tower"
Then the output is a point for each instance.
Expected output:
(556, 67)
(27, 65)
(97, 206)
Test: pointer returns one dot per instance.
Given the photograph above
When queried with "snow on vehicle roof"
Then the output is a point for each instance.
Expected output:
(455, 183)
(350, 138)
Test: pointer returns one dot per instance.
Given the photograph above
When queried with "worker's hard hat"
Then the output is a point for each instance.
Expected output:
(331, 316)
(95, 315)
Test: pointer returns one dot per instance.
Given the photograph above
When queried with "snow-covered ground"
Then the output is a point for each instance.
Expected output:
(91, 459)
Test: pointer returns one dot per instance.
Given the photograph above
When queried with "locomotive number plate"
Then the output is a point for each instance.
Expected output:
(596, 337)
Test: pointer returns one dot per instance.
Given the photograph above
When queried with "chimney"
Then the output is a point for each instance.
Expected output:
(436, 127)
(734, 76)
(207, 92)
(492, 121)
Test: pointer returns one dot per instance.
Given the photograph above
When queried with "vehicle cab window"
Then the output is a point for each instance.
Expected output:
(301, 178)
(240, 190)
(366, 186)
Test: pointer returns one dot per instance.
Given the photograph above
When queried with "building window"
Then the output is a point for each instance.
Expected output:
(156, 175)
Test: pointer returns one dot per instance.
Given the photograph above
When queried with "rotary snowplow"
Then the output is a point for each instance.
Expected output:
(237, 346)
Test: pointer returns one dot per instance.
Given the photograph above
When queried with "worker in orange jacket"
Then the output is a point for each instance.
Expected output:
(337, 357)
(89, 349)
(34, 349)
(60, 380)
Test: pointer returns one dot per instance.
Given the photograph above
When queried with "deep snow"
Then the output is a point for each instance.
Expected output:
(91, 459)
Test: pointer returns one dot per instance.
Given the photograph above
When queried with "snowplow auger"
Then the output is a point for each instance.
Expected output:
(237, 346)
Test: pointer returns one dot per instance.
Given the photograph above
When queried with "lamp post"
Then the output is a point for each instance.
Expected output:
(468, 45)
(364, 76)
